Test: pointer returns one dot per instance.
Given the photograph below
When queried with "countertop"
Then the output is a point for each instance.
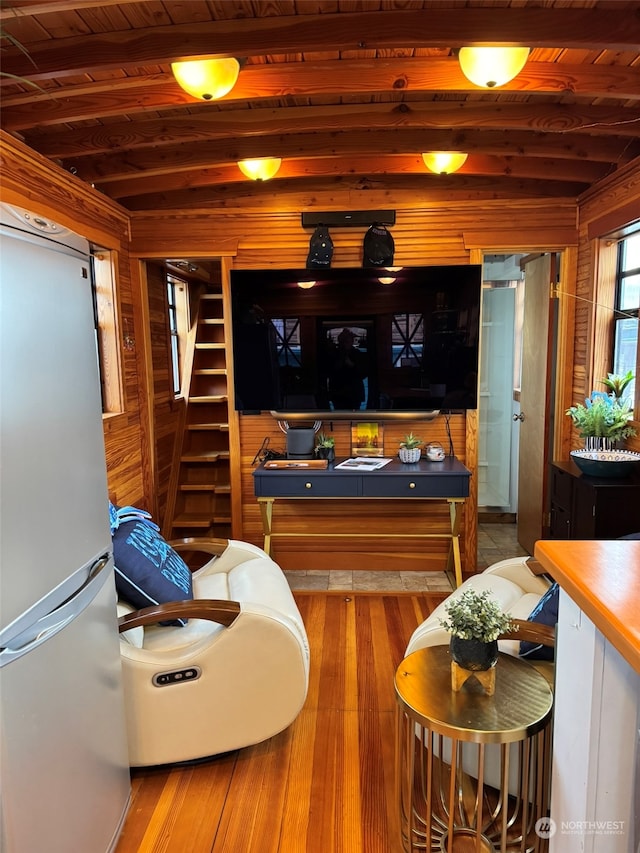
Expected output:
(603, 578)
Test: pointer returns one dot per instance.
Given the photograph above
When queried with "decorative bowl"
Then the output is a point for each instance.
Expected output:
(606, 463)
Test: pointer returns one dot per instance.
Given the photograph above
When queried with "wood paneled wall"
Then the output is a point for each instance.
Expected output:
(601, 212)
(167, 410)
(438, 233)
(426, 231)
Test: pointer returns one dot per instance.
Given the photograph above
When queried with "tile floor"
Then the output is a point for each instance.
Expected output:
(495, 542)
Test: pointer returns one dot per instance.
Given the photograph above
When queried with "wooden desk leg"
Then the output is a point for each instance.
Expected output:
(455, 505)
(266, 512)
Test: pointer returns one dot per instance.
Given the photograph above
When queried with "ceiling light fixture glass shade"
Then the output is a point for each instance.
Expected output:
(490, 67)
(305, 285)
(261, 169)
(444, 162)
(386, 279)
(207, 79)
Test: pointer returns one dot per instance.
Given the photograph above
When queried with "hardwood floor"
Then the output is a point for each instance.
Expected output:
(326, 784)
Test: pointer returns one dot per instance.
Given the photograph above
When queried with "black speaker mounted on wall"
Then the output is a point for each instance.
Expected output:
(346, 218)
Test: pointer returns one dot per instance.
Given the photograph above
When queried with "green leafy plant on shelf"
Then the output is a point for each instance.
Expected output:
(325, 445)
(410, 441)
(475, 616)
(324, 440)
(603, 415)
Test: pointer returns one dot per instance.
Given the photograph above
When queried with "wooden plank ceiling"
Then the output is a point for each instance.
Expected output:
(347, 92)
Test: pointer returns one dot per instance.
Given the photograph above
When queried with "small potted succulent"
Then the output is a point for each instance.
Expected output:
(410, 448)
(475, 622)
(325, 446)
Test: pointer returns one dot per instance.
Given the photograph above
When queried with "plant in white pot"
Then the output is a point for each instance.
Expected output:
(604, 419)
(475, 621)
(410, 448)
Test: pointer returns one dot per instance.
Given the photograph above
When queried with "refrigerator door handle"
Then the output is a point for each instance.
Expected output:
(51, 623)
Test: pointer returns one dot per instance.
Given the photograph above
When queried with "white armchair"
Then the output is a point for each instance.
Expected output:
(234, 675)
(515, 587)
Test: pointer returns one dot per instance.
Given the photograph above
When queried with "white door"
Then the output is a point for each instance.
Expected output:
(536, 394)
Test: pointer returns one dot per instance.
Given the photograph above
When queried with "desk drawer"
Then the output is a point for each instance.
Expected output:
(308, 486)
(412, 486)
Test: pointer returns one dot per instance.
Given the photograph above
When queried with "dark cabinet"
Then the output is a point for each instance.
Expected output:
(592, 507)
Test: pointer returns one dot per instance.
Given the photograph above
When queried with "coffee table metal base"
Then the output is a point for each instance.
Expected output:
(472, 768)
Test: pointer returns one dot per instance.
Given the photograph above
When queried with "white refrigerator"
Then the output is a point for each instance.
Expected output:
(64, 772)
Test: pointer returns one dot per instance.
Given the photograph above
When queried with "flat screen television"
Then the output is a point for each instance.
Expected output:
(356, 341)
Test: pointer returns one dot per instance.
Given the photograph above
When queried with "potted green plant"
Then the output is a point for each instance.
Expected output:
(325, 446)
(475, 621)
(604, 419)
(410, 448)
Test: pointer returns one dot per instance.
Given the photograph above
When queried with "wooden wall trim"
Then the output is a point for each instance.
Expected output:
(564, 351)
(614, 220)
(533, 239)
(63, 197)
(611, 203)
(182, 236)
(146, 396)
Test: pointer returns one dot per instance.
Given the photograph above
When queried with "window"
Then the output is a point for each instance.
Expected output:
(177, 296)
(287, 332)
(106, 323)
(407, 336)
(627, 305)
(173, 333)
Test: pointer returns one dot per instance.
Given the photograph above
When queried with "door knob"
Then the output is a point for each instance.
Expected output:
(519, 417)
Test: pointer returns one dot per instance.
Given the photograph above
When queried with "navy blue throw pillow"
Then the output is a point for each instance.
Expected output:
(546, 612)
(147, 569)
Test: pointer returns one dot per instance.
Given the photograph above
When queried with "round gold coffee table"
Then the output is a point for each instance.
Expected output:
(472, 769)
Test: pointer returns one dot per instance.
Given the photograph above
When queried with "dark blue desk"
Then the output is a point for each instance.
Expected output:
(427, 481)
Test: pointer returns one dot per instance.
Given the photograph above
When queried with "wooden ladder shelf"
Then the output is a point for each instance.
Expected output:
(200, 492)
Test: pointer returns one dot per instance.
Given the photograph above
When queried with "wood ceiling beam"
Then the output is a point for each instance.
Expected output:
(104, 168)
(341, 78)
(546, 169)
(338, 77)
(397, 191)
(379, 30)
(258, 124)
(30, 9)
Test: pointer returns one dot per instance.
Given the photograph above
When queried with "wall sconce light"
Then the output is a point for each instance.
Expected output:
(389, 279)
(492, 66)
(306, 285)
(207, 79)
(261, 169)
(444, 162)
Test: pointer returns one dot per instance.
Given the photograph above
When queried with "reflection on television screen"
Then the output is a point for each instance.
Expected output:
(351, 344)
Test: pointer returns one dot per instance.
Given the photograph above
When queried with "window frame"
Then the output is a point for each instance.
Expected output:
(107, 330)
(178, 327)
(620, 314)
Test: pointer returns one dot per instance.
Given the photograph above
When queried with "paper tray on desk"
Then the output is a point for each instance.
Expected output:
(295, 464)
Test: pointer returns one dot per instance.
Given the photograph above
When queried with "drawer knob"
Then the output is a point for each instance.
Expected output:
(412, 485)
(307, 485)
